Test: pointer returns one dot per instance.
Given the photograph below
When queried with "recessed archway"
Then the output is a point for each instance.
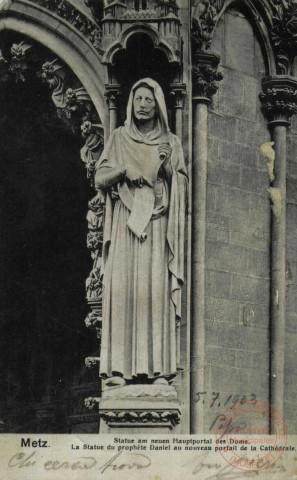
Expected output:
(44, 196)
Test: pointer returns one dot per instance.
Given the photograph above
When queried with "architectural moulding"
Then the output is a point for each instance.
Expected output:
(140, 406)
(178, 92)
(75, 17)
(279, 98)
(283, 33)
(277, 25)
(139, 418)
(276, 21)
(159, 20)
(205, 78)
(205, 75)
(75, 108)
(40, 24)
(279, 103)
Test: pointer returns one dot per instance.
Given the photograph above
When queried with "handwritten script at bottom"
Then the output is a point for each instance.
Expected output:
(119, 462)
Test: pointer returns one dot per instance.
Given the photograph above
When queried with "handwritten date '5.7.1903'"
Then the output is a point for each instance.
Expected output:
(217, 399)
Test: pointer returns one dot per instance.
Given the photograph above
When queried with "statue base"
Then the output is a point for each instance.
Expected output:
(139, 409)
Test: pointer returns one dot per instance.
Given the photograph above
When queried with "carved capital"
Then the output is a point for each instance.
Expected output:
(205, 76)
(178, 93)
(111, 94)
(140, 418)
(279, 98)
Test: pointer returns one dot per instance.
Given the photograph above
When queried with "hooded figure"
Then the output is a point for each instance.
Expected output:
(143, 173)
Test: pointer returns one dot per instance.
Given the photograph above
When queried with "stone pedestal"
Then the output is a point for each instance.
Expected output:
(139, 408)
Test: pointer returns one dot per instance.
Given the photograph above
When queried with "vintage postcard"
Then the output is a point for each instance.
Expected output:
(148, 251)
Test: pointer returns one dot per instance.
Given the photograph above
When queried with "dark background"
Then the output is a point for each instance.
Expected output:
(44, 261)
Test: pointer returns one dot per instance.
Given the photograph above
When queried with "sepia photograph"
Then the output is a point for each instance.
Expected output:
(148, 253)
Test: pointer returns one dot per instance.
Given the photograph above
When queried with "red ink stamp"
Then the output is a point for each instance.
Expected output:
(251, 435)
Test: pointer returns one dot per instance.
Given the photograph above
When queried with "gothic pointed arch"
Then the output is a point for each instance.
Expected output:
(75, 77)
(273, 20)
(74, 44)
(159, 43)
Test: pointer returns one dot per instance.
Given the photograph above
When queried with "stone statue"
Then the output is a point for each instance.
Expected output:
(143, 173)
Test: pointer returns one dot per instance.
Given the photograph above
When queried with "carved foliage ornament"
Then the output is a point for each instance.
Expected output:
(178, 94)
(204, 18)
(17, 65)
(91, 362)
(279, 99)
(141, 417)
(93, 320)
(206, 80)
(283, 34)
(75, 17)
(282, 30)
(205, 75)
(75, 108)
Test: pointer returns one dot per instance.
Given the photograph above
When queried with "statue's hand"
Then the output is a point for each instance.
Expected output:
(165, 152)
(134, 176)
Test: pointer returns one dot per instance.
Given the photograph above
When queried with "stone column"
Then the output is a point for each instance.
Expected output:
(279, 102)
(178, 92)
(112, 93)
(205, 77)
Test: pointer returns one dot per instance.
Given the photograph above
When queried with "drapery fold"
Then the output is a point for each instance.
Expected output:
(143, 279)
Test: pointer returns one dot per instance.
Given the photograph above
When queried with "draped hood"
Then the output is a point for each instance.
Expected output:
(161, 129)
(127, 145)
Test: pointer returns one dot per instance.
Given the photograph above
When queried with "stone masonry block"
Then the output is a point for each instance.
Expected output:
(220, 356)
(258, 263)
(221, 126)
(231, 379)
(222, 310)
(259, 384)
(291, 322)
(226, 257)
(252, 360)
(250, 289)
(216, 233)
(251, 237)
(239, 154)
(260, 211)
(254, 181)
(223, 174)
(292, 147)
(231, 201)
(251, 134)
(221, 221)
(217, 284)
(239, 44)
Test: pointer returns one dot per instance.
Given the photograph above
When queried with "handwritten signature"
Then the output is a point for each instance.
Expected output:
(135, 461)
(226, 472)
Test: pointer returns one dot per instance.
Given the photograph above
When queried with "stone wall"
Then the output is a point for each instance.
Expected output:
(238, 225)
(291, 282)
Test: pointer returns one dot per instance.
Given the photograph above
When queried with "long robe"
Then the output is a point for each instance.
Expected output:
(143, 279)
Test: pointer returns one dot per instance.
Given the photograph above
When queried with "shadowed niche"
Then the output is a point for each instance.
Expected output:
(44, 260)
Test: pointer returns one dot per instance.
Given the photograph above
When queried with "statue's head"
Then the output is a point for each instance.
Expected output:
(146, 106)
(144, 103)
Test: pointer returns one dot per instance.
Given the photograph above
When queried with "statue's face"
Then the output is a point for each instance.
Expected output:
(144, 104)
